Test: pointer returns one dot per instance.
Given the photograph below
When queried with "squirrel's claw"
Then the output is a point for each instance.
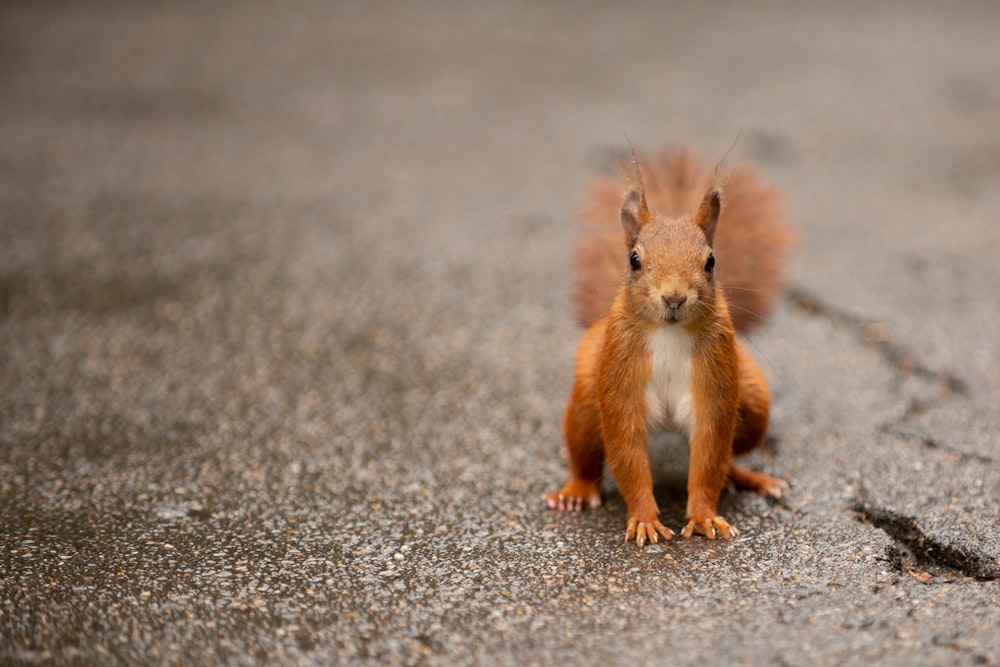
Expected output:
(775, 490)
(710, 527)
(646, 531)
(571, 502)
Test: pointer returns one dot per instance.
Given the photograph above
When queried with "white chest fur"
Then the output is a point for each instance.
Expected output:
(668, 395)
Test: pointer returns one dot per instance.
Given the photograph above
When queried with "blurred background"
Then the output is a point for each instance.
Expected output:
(285, 287)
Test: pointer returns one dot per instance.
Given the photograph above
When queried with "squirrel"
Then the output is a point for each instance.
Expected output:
(661, 353)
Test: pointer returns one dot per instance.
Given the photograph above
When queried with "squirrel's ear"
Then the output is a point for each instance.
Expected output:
(707, 216)
(635, 215)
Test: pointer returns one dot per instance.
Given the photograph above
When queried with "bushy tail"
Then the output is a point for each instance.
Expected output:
(752, 241)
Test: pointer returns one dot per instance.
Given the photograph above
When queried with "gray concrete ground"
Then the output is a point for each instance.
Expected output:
(285, 332)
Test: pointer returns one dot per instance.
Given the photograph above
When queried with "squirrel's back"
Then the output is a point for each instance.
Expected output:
(751, 244)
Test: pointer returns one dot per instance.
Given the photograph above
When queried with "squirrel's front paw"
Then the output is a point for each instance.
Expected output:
(574, 497)
(646, 531)
(709, 527)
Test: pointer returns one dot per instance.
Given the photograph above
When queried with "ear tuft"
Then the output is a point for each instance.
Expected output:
(635, 215)
(707, 216)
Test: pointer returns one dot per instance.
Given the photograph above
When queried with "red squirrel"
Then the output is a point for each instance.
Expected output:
(661, 352)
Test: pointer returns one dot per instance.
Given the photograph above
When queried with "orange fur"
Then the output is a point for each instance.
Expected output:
(751, 246)
(671, 297)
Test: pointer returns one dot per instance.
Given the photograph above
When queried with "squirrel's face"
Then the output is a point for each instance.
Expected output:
(672, 272)
(671, 266)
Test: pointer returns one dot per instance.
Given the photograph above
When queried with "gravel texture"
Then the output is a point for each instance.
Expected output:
(286, 334)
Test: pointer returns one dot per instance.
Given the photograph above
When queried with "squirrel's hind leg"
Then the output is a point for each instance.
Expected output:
(755, 411)
(765, 485)
(576, 496)
(585, 451)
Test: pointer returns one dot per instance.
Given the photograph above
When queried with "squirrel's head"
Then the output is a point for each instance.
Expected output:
(671, 275)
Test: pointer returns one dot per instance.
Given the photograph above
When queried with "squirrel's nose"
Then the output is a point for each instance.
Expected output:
(674, 301)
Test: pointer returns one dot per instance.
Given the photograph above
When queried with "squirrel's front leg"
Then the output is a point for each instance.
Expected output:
(629, 462)
(709, 469)
(716, 412)
(711, 454)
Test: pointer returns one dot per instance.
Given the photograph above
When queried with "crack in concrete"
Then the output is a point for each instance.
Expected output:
(912, 549)
(897, 428)
(913, 544)
(875, 335)
(930, 442)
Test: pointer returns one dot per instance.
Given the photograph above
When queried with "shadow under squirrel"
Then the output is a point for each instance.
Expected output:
(660, 351)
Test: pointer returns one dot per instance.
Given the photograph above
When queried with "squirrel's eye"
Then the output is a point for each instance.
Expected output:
(634, 261)
(710, 263)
